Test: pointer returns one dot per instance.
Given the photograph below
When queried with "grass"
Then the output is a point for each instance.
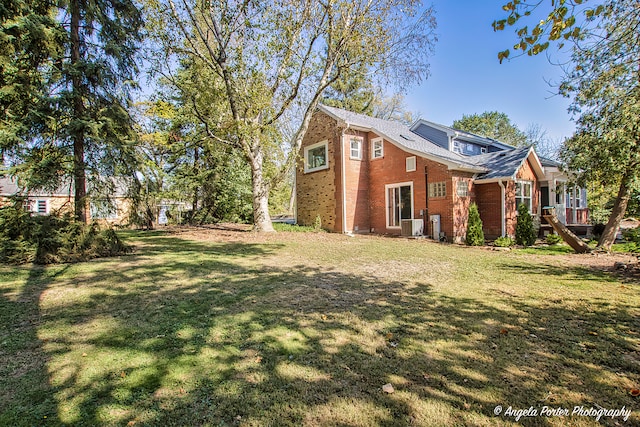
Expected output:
(305, 329)
(283, 226)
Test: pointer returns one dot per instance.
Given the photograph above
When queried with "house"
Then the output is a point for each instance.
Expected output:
(112, 210)
(362, 174)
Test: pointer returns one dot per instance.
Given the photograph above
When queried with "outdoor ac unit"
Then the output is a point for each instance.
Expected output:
(411, 227)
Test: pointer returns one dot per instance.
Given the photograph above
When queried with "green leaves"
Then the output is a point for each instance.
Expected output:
(556, 25)
(492, 124)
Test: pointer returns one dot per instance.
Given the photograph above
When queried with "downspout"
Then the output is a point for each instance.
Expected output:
(502, 209)
(344, 184)
(295, 191)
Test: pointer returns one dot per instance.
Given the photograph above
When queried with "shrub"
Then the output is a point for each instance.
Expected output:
(525, 231)
(317, 224)
(553, 239)
(632, 236)
(504, 242)
(281, 226)
(52, 238)
(475, 235)
(597, 230)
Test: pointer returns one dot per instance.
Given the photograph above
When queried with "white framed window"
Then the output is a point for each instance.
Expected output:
(399, 202)
(377, 148)
(483, 150)
(410, 164)
(523, 194)
(462, 189)
(41, 206)
(103, 209)
(355, 148)
(438, 189)
(316, 157)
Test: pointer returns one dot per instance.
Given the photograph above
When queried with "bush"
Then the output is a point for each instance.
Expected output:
(632, 236)
(504, 242)
(475, 235)
(317, 224)
(553, 239)
(525, 231)
(597, 230)
(52, 238)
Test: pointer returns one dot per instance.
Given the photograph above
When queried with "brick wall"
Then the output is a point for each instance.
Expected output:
(489, 200)
(461, 204)
(317, 193)
(357, 179)
(391, 169)
(489, 203)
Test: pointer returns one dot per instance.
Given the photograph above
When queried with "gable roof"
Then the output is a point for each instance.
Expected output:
(504, 165)
(491, 167)
(401, 136)
(9, 186)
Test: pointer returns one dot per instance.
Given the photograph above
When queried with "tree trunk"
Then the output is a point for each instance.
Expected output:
(79, 177)
(617, 214)
(260, 189)
(292, 198)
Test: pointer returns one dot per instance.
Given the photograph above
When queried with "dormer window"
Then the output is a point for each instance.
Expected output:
(483, 150)
(457, 147)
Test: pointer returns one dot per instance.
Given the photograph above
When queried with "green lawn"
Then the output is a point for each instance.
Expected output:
(305, 328)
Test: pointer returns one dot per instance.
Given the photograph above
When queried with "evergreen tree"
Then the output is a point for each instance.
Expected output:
(71, 119)
(475, 235)
(525, 231)
(353, 91)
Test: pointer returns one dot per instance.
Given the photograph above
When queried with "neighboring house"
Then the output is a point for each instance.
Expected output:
(114, 210)
(361, 174)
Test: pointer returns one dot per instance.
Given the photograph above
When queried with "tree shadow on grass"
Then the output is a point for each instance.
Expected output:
(26, 397)
(194, 335)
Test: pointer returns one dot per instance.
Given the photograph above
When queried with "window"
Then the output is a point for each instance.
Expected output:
(457, 148)
(411, 164)
(103, 209)
(437, 189)
(580, 199)
(356, 148)
(316, 157)
(483, 150)
(559, 195)
(523, 194)
(462, 188)
(399, 203)
(27, 205)
(377, 150)
(41, 207)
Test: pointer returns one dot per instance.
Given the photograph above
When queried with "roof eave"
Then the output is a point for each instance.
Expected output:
(494, 179)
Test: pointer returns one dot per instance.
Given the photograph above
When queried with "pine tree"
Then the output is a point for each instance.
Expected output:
(70, 64)
(475, 235)
(525, 231)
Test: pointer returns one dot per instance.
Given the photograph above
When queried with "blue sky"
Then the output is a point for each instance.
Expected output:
(466, 77)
